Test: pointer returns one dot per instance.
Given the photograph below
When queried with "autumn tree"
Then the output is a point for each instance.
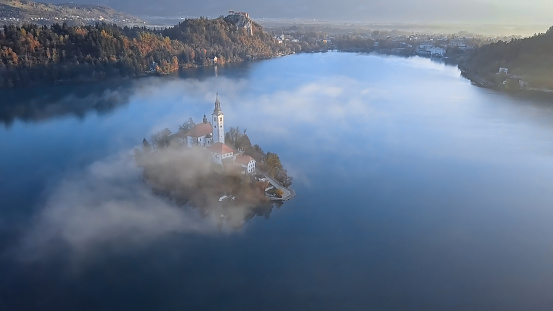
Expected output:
(187, 125)
(162, 138)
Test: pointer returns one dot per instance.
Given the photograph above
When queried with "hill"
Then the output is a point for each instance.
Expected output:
(19, 12)
(525, 63)
(32, 54)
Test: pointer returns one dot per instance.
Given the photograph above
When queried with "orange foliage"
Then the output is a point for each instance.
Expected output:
(81, 31)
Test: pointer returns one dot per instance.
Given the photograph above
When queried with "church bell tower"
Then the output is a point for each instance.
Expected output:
(218, 122)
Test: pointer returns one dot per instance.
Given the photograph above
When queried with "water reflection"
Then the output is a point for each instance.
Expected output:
(44, 103)
(235, 70)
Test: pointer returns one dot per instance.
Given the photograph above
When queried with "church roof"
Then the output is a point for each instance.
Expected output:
(244, 159)
(200, 130)
(181, 135)
(220, 148)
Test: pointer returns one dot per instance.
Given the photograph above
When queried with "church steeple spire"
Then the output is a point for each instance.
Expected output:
(217, 109)
(218, 122)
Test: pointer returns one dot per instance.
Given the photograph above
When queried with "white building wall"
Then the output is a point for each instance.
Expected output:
(250, 167)
(219, 128)
(215, 129)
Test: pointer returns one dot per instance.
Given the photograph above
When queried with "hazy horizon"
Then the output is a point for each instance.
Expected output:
(379, 11)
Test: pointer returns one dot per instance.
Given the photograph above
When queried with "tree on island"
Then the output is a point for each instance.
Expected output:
(146, 145)
(268, 162)
(162, 138)
(186, 126)
(238, 140)
(274, 168)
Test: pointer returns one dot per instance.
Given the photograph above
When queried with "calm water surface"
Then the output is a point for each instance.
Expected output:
(415, 191)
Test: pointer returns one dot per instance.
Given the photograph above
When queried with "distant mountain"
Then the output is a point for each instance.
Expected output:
(19, 12)
(211, 8)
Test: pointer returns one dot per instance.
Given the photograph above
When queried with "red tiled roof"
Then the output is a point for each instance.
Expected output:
(200, 130)
(220, 148)
(243, 159)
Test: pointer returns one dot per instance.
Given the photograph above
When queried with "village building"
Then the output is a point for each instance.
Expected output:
(220, 152)
(246, 162)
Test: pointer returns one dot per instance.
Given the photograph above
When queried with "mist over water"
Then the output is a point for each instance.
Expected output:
(415, 190)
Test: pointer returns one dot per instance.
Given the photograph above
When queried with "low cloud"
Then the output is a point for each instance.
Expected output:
(106, 205)
(110, 205)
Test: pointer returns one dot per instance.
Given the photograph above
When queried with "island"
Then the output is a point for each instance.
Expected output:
(217, 172)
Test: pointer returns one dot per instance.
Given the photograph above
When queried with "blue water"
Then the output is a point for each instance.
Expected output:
(415, 191)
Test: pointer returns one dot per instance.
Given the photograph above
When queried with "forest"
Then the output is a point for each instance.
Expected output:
(526, 61)
(32, 54)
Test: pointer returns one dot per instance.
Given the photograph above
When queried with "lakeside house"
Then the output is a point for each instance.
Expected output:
(247, 163)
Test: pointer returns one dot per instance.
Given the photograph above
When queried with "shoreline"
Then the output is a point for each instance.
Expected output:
(175, 73)
(289, 193)
(476, 80)
(531, 93)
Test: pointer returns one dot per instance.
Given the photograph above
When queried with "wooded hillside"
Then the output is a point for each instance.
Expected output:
(529, 60)
(34, 54)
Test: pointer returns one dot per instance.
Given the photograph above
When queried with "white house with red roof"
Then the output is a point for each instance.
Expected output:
(246, 162)
(220, 152)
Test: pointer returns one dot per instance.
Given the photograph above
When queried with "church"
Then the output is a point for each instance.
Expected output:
(212, 136)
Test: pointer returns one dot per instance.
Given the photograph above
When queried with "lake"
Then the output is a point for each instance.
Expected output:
(415, 191)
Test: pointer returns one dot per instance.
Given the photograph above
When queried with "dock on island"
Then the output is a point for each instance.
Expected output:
(287, 193)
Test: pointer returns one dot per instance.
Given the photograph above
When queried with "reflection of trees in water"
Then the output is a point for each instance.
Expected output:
(239, 70)
(226, 216)
(233, 213)
(44, 103)
(227, 212)
(264, 210)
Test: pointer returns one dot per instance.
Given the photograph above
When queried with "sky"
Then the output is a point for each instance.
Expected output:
(398, 11)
